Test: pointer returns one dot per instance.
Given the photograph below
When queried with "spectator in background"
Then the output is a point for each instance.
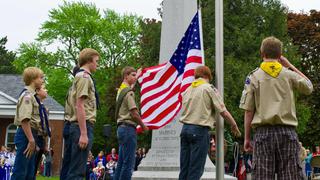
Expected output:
(113, 156)
(110, 168)
(100, 158)
(48, 162)
(316, 152)
(89, 166)
(144, 152)
(99, 170)
(139, 157)
(308, 169)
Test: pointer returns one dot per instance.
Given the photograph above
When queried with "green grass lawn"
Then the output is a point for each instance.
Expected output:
(47, 178)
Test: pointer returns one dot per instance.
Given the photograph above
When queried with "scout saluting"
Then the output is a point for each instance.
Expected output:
(269, 104)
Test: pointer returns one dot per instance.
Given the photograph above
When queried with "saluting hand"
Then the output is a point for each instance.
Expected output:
(285, 62)
(30, 149)
(83, 141)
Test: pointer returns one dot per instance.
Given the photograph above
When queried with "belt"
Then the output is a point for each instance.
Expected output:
(125, 124)
(77, 123)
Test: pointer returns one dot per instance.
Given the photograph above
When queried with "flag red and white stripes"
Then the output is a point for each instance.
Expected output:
(162, 85)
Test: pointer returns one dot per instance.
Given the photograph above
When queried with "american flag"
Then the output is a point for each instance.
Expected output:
(162, 85)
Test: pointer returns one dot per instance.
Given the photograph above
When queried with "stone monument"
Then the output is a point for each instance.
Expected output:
(163, 159)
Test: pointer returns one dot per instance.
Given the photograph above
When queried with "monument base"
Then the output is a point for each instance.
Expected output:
(155, 168)
(170, 175)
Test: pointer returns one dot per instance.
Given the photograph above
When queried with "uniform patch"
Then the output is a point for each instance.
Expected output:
(27, 98)
(247, 81)
(216, 90)
(85, 75)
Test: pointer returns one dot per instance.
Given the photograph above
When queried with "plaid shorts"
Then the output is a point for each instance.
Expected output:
(276, 150)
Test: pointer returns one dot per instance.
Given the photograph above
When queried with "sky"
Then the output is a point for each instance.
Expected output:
(21, 19)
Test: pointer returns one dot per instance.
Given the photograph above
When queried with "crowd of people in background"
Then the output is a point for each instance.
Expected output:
(243, 169)
(8, 155)
(103, 166)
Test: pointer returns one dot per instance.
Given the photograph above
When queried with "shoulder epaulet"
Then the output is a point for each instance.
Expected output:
(248, 81)
(83, 74)
(252, 71)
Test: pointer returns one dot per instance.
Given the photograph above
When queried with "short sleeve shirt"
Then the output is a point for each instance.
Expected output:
(272, 99)
(28, 109)
(83, 87)
(127, 105)
(199, 105)
(68, 110)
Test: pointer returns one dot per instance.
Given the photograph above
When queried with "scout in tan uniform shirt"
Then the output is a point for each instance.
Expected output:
(84, 102)
(128, 117)
(68, 111)
(28, 119)
(268, 99)
(41, 95)
(199, 104)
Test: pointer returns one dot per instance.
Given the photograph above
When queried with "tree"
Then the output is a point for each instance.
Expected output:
(6, 58)
(72, 27)
(304, 30)
(149, 43)
(246, 24)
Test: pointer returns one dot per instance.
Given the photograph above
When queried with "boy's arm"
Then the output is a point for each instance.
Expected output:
(234, 128)
(136, 117)
(248, 117)
(31, 142)
(81, 117)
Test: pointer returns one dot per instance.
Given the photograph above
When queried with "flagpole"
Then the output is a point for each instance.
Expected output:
(219, 84)
(200, 28)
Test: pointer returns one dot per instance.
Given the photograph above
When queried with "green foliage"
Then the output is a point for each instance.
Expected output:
(6, 58)
(72, 27)
(246, 24)
(304, 30)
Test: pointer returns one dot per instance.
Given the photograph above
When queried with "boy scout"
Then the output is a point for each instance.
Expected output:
(269, 104)
(84, 103)
(199, 104)
(66, 132)
(41, 95)
(128, 117)
(28, 120)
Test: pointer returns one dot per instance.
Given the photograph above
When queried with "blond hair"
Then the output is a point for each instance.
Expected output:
(30, 74)
(271, 47)
(202, 72)
(86, 55)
